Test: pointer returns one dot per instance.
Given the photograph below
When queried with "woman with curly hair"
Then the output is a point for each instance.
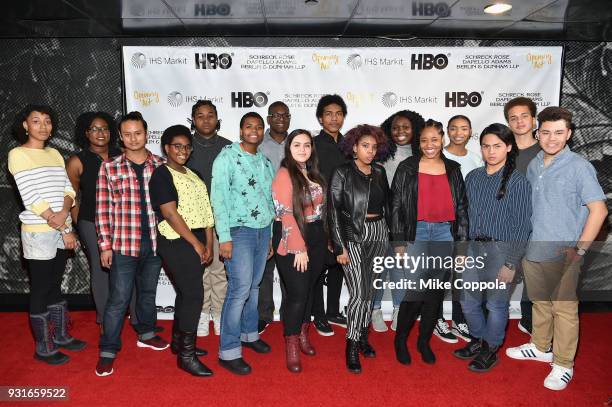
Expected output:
(401, 129)
(358, 208)
(97, 135)
(46, 229)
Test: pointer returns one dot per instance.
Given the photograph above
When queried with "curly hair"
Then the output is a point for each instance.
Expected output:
(327, 100)
(171, 132)
(19, 133)
(417, 122)
(352, 137)
(83, 123)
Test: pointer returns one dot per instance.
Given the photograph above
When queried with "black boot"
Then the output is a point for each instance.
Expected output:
(352, 356)
(46, 350)
(406, 316)
(470, 350)
(429, 317)
(58, 314)
(485, 360)
(364, 346)
(174, 344)
(187, 359)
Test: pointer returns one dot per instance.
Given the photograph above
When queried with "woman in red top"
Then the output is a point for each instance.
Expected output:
(299, 238)
(429, 210)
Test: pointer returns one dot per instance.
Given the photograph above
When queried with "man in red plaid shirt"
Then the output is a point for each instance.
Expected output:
(125, 223)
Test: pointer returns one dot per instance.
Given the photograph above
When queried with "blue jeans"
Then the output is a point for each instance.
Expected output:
(143, 271)
(395, 275)
(491, 328)
(239, 315)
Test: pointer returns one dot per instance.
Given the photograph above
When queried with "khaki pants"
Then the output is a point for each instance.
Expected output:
(215, 284)
(552, 289)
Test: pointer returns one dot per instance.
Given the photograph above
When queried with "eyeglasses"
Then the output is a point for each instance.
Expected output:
(279, 116)
(182, 147)
(99, 129)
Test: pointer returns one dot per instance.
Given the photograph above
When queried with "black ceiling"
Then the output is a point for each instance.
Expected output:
(573, 20)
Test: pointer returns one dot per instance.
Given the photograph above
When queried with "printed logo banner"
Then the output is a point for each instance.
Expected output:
(164, 82)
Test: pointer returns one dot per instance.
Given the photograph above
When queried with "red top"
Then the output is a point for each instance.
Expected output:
(435, 202)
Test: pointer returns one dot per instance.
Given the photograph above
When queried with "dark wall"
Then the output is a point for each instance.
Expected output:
(77, 75)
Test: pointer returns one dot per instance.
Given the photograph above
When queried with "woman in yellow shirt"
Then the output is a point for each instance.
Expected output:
(184, 241)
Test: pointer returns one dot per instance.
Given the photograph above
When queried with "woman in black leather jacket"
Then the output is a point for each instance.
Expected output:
(429, 210)
(359, 209)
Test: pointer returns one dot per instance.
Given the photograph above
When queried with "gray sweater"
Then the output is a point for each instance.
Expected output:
(391, 164)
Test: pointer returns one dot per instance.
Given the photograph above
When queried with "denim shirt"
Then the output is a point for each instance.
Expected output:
(560, 193)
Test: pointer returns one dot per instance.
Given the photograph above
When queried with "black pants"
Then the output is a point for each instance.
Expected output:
(265, 301)
(46, 281)
(299, 286)
(333, 275)
(183, 266)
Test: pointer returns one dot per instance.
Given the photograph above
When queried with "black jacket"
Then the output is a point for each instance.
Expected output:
(330, 156)
(404, 202)
(349, 192)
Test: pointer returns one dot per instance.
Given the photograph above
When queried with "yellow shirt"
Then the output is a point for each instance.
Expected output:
(193, 204)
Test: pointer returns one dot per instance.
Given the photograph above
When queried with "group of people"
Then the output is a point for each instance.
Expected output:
(221, 216)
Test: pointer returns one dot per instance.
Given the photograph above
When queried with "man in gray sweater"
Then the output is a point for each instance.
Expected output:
(207, 144)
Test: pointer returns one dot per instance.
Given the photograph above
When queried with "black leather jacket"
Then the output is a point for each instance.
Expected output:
(404, 202)
(349, 192)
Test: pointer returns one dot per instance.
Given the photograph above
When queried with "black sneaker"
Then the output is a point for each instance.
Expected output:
(258, 346)
(443, 332)
(323, 327)
(261, 326)
(461, 331)
(337, 319)
(104, 366)
(236, 366)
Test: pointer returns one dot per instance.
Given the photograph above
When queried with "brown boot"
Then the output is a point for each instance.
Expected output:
(292, 348)
(305, 346)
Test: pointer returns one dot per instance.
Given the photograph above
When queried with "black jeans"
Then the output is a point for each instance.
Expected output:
(299, 286)
(46, 281)
(183, 266)
(333, 275)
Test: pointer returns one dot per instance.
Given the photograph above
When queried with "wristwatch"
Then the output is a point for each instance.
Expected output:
(66, 230)
(580, 252)
(509, 266)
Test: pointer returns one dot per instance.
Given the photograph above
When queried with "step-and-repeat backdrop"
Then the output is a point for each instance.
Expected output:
(164, 82)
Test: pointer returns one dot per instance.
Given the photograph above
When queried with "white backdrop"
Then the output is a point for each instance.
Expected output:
(164, 82)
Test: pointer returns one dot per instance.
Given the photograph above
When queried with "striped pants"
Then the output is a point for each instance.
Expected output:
(359, 274)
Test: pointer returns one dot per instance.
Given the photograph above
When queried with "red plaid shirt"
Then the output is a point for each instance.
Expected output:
(118, 205)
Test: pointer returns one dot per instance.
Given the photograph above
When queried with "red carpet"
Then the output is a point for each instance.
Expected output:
(145, 377)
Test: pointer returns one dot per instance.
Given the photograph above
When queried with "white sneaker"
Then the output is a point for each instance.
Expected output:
(378, 323)
(204, 325)
(394, 318)
(217, 325)
(529, 351)
(559, 377)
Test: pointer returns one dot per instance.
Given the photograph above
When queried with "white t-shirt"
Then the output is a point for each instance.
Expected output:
(468, 162)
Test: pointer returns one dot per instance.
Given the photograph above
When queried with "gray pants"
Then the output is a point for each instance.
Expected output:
(99, 275)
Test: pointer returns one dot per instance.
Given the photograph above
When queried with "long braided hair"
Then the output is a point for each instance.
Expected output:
(504, 134)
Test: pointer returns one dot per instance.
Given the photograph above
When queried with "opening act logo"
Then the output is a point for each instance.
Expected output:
(146, 98)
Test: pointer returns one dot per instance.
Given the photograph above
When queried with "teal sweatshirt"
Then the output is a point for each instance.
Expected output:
(241, 190)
